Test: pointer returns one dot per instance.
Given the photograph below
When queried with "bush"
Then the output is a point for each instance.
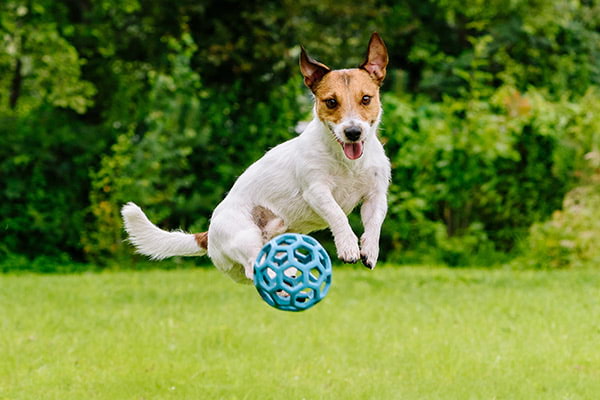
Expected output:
(570, 237)
(44, 165)
(165, 105)
(472, 175)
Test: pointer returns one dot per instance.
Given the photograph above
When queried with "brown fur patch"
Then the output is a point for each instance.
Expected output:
(347, 87)
(269, 223)
(262, 216)
(202, 239)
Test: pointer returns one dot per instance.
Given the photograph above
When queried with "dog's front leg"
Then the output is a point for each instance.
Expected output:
(372, 213)
(321, 200)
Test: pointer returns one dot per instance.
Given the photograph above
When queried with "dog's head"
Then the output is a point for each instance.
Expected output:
(347, 100)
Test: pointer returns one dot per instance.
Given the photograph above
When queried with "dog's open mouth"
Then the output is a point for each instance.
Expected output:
(353, 150)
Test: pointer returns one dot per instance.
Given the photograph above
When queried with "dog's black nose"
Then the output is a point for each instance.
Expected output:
(352, 133)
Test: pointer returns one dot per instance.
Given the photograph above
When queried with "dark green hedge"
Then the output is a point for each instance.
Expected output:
(489, 112)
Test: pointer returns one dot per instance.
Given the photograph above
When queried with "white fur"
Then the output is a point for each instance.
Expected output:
(154, 242)
(307, 182)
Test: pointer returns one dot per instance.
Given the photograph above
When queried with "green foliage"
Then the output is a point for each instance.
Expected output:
(45, 148)
(570, 237)
(490, 109)
(44, 161)
(485, 169)
(550, 44)
(41, 66)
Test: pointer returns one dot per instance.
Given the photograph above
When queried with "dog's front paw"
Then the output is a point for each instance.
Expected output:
(348, 250)
(349, 255)
(367, 261)
(369, 252)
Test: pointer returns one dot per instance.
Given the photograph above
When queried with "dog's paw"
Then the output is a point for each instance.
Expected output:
(367, 262)
(350, 256)
(369, 253)
(348, 250)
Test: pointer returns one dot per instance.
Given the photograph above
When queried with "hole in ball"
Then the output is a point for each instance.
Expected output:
(305, 295)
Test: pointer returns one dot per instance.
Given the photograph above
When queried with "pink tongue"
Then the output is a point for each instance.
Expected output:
(353, 150)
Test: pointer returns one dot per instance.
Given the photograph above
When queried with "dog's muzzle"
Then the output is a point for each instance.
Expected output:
(350, 138)
(353, 133)
(354, 145)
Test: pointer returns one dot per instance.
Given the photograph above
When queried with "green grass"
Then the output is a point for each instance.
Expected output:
(392, 333)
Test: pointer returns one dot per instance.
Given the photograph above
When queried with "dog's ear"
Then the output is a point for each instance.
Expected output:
(376, 59)
(312, 70)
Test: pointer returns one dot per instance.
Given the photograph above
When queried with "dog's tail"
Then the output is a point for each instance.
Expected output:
(156, 243)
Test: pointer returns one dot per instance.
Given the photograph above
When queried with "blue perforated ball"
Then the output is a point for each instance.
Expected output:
(292, 272)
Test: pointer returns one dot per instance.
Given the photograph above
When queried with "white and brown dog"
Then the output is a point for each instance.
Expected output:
(308, 183)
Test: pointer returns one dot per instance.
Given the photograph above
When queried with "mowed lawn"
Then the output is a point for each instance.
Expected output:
(391, 333)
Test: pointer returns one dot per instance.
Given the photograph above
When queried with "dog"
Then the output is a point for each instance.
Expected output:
(308, 183)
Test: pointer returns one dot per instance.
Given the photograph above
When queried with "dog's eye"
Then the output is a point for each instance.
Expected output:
(331, 103)
(366, 100)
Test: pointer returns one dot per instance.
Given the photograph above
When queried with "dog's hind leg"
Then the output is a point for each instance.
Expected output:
(237, 238)
(244, 248)
(248, 242)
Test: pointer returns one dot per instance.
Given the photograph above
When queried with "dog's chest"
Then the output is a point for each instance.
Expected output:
(348, 191)
(350, 187)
